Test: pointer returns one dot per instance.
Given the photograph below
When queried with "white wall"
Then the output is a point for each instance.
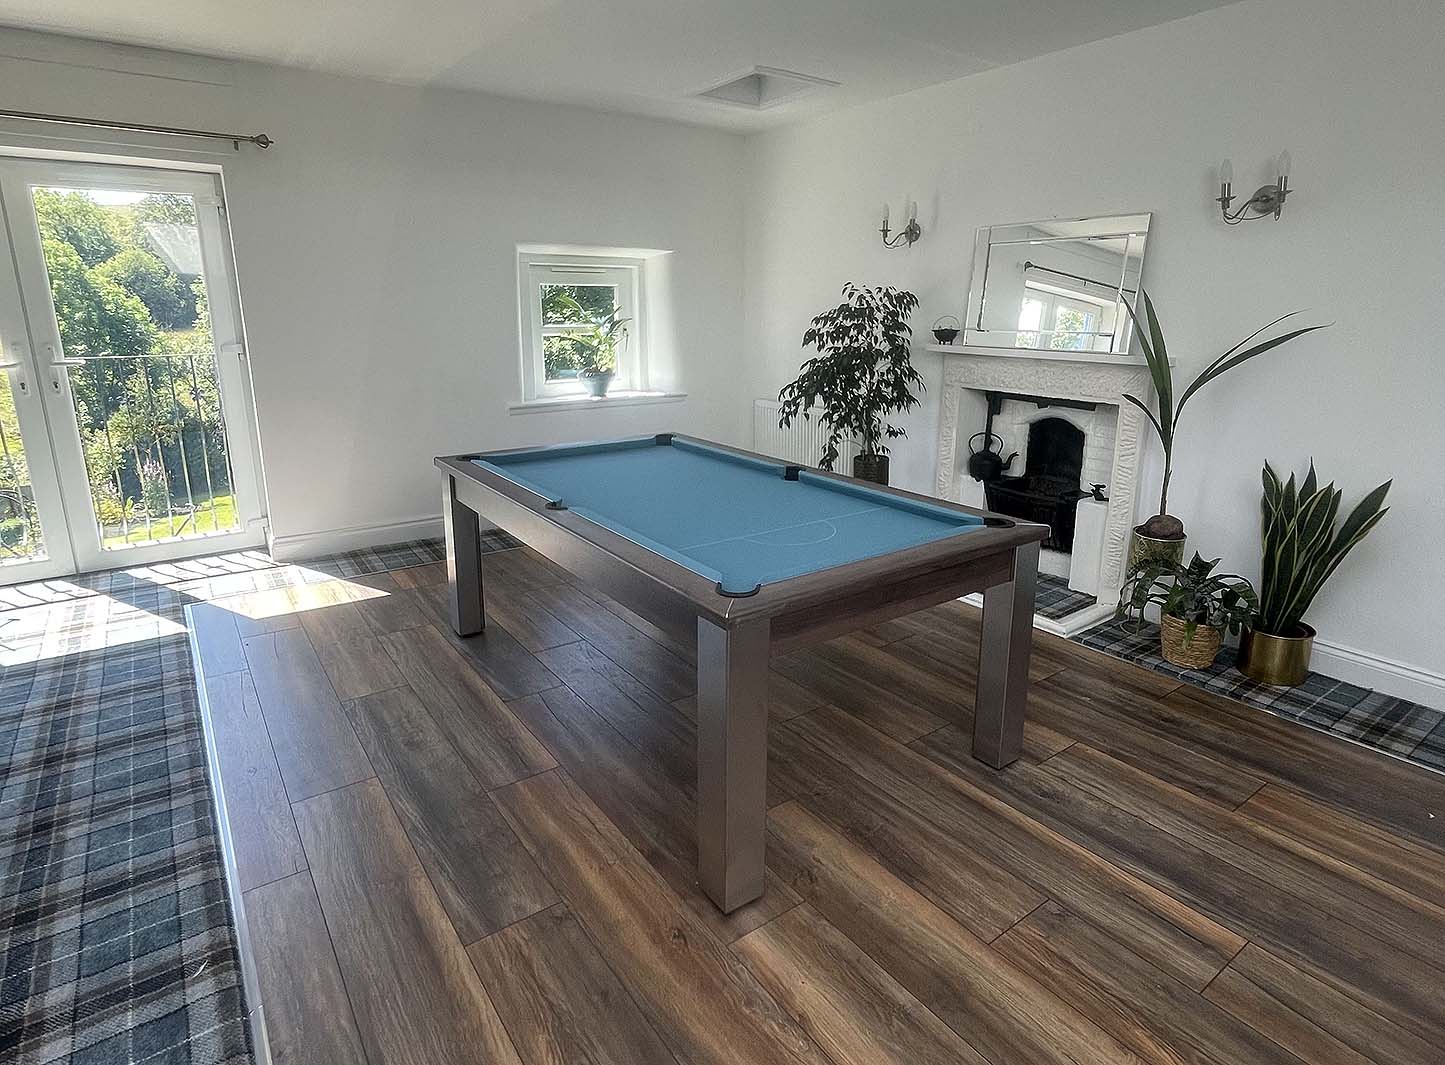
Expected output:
(376, 251)
(1139, 123)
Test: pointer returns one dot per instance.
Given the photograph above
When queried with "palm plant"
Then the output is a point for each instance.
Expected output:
(1163, 525)
(1303, 547)
(863, 370)
(1193, 594)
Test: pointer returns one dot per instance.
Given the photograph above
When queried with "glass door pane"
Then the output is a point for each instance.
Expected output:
(33, 540)
(21, 538)
(129, 292)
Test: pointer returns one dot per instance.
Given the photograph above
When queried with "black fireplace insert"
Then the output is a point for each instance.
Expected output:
(1048, 490)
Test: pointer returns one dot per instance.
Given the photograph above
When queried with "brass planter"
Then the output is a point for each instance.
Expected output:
(1149, 548)
(1278, 660)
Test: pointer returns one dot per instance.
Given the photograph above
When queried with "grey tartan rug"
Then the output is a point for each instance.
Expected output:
(1054, 599)
(116, 941)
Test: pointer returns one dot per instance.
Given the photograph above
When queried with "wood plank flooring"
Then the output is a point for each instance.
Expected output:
(482, 850)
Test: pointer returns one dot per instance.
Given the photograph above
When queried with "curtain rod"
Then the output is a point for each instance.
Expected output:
(260, 140)
(1030, 265)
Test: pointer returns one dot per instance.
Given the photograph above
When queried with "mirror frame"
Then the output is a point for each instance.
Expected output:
(1106, 227)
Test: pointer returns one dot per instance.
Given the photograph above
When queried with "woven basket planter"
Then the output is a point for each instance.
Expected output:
(1198, 653)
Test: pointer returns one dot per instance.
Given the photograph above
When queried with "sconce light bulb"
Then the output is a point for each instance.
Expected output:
(912, 210)
(885, 216)
(1226, 173)
(1284, 162)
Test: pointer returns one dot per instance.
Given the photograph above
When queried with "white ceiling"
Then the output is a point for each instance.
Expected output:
(642, 56)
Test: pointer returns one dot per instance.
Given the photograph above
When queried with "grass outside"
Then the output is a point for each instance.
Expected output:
(205, 520)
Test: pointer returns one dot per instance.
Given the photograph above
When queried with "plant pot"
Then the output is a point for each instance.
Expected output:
(596, 384)
(871, 468)
(1150, 548)
(1198, 652)
(1278, 660)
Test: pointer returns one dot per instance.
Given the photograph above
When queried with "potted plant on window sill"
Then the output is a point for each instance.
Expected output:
(596, 345)
(862, 373)
(1302, 548)
(1162, 536)
(1196, 606)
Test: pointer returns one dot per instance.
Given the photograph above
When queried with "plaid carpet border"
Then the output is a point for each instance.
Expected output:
(1396, 726)
(1054, 599)
(117, 942)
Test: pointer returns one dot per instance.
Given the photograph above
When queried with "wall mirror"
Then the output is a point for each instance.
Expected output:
(1057, 285)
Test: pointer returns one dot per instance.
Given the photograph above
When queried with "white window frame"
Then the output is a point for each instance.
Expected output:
(625, 274)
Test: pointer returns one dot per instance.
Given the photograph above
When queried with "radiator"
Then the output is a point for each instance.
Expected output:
(802, 442)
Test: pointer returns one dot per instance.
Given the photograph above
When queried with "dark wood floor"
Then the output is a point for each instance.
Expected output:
(482, 850)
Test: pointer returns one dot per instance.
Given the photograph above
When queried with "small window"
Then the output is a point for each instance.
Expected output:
(577, 310)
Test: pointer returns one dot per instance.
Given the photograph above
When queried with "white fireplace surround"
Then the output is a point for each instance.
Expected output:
(1091, 377)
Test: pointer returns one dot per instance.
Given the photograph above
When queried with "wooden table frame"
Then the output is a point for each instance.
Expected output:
(737, 636)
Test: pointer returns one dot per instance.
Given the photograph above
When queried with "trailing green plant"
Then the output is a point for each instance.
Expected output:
(597, 344)
(862, 373)
(1303, 546)
(1151, 339)
(1194, 594)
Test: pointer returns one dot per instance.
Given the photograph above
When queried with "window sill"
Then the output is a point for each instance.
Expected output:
(576, 403)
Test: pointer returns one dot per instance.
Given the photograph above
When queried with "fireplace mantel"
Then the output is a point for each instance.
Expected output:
(1035, 355)
(1078, 375)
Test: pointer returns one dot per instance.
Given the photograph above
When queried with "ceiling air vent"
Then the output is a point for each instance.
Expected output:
(764, 87)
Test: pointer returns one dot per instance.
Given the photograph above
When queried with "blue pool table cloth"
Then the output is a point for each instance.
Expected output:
(728, 517)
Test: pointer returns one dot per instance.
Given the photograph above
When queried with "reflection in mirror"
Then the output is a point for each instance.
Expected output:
(1057, 285)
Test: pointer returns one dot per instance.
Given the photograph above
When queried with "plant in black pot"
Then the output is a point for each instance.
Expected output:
(862, 373)
(1302, 548)
(1196, 606)
(1162, 536)
(596, 346)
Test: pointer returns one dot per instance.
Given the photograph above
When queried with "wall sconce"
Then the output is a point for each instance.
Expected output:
(906, 236)
(1267, 199)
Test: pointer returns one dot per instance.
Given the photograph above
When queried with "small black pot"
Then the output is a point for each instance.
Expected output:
(871, 468)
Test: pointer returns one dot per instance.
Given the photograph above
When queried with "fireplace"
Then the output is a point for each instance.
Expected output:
(1048, 491)
(1085, 389)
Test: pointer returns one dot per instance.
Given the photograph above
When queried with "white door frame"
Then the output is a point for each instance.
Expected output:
(17, 177)
(17, 359)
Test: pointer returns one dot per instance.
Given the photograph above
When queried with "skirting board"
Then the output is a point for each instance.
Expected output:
(1382, 674)
(301, 546)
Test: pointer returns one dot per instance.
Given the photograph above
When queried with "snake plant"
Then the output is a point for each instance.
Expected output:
(1303, 546)
(1194, 594)
(1151, 339)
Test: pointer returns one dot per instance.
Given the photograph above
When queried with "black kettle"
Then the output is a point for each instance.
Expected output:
(988, 464)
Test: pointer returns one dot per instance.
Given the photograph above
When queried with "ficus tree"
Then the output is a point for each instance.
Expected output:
(862, 373)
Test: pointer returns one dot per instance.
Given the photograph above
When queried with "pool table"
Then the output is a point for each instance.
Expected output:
(751, 557)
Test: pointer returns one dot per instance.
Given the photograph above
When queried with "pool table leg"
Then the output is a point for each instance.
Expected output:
(1003, 662)
(464, 563)
(732, 760)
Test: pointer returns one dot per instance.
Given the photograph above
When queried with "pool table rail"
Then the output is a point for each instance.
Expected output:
(672, 595)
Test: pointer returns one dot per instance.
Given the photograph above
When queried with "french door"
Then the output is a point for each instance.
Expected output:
(126, 431)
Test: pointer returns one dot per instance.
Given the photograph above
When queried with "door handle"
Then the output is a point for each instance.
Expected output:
(57, 359)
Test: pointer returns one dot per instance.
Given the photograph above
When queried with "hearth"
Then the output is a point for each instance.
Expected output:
(1048, 491)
